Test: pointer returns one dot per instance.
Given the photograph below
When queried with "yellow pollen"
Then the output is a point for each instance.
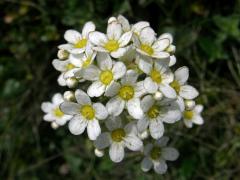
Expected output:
(156, 76)
(188, 114)
(147, 49)
(58, 112)
(118, 135)
(112, 45)
(175, 85)
(86, 63)
(153, 112)
(126, 92)
(106, 77)
(88, 112)
(155, 153)
(81, 43)
(70, 66)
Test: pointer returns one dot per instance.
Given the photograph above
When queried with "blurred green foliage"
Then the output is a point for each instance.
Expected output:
(207, 36)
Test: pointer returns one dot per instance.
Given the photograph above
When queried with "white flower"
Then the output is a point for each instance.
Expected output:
(157, 154)
(156, 113)
(126, 94)
(118, 138)
(105, 76)
(53, 112)
(193, 116)
(77, 42)
(183, 90)
(159, 77)
(86, 115)
(147, 44)
(115, 42)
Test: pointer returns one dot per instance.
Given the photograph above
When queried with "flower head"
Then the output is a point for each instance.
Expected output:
(193, 116)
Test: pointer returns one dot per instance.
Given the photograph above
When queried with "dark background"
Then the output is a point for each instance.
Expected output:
(207, 37)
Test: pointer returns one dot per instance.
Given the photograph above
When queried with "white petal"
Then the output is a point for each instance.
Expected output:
(180, 103)
(134, 108)
(130, 77)
(124, 22)
(198, 120)
(166, 36)
(146, 164)
(188, 92)
(47, 107)
(167, 91)
(114, 30)
(149, 85)
(67, 47)
(139, 26)
(125, 38)
(87, 28)
(116, 152)
(147, 102)
(119, 70)
(156, 129)
(100, 49)
(112, 89)
(160, 55)
(147, 36)
(77, 50)
(82, 97)
(172, 115)
(104, 61)
(198, 108)
(162, 142)
(97, 38)
(93, 129)
(173, 60)
(77, 59)
(57, 99)
(91, 73)
(161, 44)
(139, 90)
(131, 128)
(133, 142)
(96, 89)
(170, 154)
(61, 81)
(145, 64)
(102, 141)
(160, 167)
(70, 108)
(119, 53)
(188, 123)
(142, 124)
(49, 117)
(77, 125)
(181, 75)
(60, 65)
(113, 122)
(115, 106)
(72, 36)
(100, 111)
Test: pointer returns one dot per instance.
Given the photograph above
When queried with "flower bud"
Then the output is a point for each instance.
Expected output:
(71, 82)
(69, 96)
(189, 104)
(158, 96)
(62, 54)
(54, 125)
(99, 153)
(111, 19)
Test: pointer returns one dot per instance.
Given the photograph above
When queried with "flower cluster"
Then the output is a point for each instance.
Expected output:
(123, 91)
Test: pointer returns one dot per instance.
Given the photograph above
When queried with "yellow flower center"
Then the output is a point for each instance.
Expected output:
(112, 45)
(155, 153)
(175, 85)
(69, 66)
(106, 77)
(153, 112)
(126, 92)
(118, 135)
(188, 114)
(81, 43)
(147, 49)
(58, 112)
(156, 76)
(86, 63)
(88, 112)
